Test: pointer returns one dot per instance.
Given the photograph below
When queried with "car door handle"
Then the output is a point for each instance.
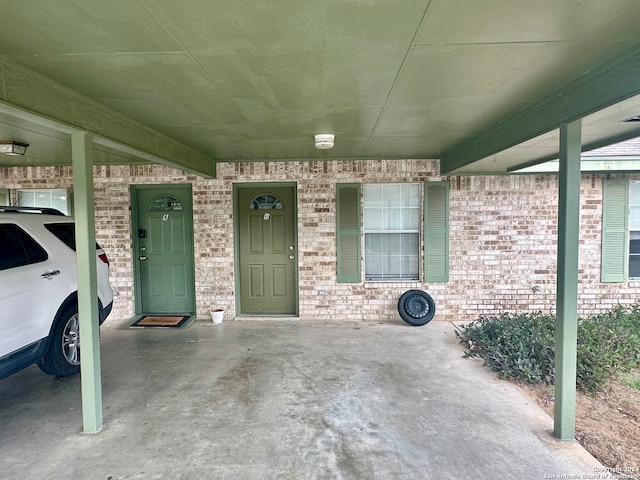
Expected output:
(50, 274)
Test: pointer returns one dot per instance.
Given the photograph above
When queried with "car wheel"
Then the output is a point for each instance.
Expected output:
(416, 307)
(63, 357)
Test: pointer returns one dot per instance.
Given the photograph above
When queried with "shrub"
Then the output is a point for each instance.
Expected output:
(521, 346)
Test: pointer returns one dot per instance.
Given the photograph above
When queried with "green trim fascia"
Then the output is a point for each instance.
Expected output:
(31, 96)
(611, 82)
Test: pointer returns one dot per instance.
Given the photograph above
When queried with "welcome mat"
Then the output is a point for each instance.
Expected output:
(161, 321)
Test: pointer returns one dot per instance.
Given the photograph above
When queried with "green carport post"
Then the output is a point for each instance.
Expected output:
(566, 331)
(84, 213)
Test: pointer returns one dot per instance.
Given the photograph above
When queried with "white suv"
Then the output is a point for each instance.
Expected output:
(39, 289)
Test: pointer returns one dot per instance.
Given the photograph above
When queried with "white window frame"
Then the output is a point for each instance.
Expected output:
(388, 217)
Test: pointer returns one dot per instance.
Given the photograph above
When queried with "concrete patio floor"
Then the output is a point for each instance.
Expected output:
(282, 400)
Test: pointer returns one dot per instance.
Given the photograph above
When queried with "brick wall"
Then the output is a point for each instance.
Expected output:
(502, 238)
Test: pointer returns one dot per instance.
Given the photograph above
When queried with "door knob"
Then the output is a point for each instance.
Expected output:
(142, 257)
(291, 257)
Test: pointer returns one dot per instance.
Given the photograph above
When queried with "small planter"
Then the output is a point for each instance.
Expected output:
(216, 315)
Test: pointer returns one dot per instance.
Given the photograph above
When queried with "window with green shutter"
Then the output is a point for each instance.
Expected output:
(392, 231)
(348, 232)
(615, 231)
(436, 231)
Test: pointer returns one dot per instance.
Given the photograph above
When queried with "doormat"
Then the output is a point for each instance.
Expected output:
(161, 321)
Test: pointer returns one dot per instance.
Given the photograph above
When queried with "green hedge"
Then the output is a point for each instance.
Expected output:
(521, 346)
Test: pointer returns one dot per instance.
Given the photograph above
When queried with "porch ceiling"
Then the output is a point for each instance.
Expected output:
(482, 86)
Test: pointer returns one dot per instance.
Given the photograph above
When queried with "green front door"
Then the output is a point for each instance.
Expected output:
(267, 255)
(163, 249)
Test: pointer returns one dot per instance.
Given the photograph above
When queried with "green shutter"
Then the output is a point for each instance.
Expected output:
(615, 231)
(436, 232)
(348, 232)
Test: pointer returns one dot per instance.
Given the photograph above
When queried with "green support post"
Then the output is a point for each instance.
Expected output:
(84, 213)
(566, 333)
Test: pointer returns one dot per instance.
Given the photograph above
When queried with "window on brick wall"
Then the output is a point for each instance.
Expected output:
(4, 196)
(51, 198)
(391, 232)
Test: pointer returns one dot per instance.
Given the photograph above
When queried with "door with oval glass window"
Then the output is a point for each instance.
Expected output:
(267, 251)
(163, 249)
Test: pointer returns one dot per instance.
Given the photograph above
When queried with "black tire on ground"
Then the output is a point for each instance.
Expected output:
(63, 356)
(416, 307)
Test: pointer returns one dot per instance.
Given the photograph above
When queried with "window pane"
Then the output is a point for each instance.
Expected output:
(59, 202)
(634, 193)
(392, 244)
(634, 245)
(18, 248)
(394, 209)
(43, 198)
(12, 253)
(634, 217)
(373, 266)
(373, 244)
(393, 267)
(373, 197)
(634, 266)
(410, 243)
(392, 256)
(410, 267)
(373, 219)
(393, 196)
(412, 193)
(393, 219)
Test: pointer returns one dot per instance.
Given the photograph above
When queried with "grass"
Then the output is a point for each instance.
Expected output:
(632, 380)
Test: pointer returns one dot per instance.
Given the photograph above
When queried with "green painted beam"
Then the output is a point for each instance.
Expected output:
(602, 87)
(84, 214)
(566, 331)
(34, 97)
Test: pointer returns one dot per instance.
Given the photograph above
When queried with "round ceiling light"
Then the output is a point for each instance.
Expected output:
(324, 141)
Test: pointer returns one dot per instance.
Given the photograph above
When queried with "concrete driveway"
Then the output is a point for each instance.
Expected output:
(283, 400)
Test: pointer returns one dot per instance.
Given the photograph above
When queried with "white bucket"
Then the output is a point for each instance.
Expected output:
(216, 315)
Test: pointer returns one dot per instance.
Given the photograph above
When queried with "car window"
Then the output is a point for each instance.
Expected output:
(18, 248)
(66, 232)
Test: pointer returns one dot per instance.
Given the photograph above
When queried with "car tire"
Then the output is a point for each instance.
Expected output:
(416, 307)
(63, 356)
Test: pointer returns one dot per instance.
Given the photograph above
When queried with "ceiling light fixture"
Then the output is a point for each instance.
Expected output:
(13, 148)
(324, 141)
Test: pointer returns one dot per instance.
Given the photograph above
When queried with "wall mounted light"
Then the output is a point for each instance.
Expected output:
(13, 148)
(324, 141)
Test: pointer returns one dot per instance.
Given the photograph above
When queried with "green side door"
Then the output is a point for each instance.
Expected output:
(163, 249)
(267, 255)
